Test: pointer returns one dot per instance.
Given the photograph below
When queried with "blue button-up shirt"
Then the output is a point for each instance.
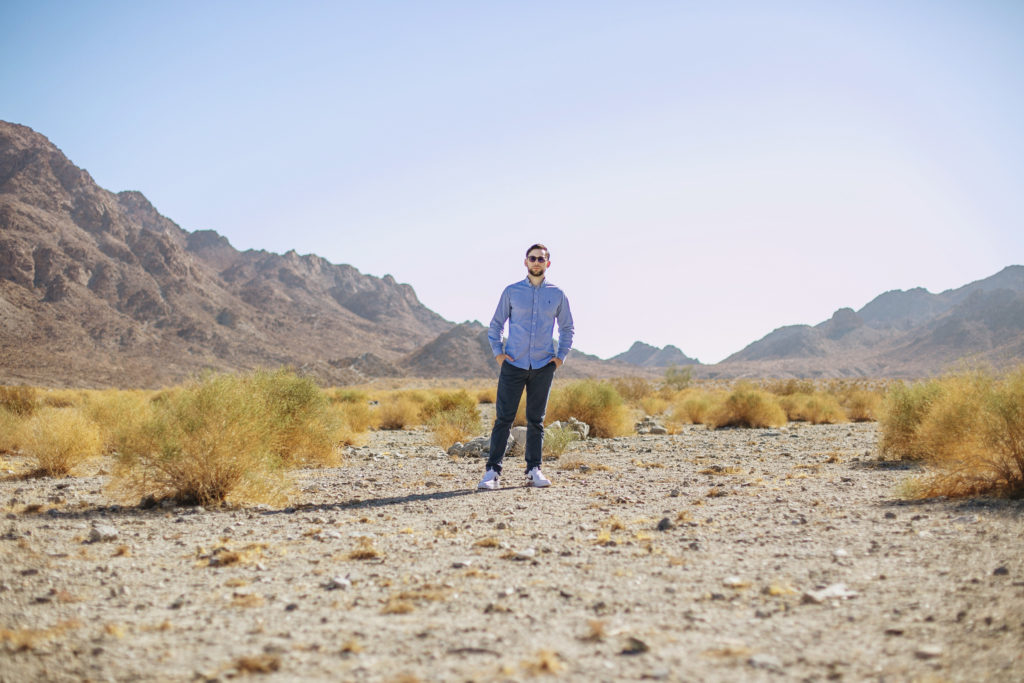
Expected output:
(531, 313)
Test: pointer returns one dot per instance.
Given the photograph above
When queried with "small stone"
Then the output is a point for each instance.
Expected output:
(102, 532)
(461, 564)
(1000, 571)
(338, 582)
(837, 591)
(735, 582)
(634, 646)
(674, 493)
(665, 524)
(766, 662)
(928, 652)
(527, 554)
(839, 553)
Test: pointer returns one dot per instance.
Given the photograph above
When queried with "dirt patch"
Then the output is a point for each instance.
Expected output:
(746, 554)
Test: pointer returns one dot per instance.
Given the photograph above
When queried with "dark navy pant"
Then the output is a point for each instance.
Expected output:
(511, 382)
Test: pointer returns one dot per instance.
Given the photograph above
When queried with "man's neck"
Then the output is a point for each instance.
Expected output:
(535, 280)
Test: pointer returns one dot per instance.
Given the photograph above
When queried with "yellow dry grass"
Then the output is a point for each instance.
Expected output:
(20, 400)
(225, 438)
(693, 406)
(595, 402)
(969, 427)
(747, 406)
(22, 639)
(398, 411)
(61, 439)
(12, 431)
(451, 416)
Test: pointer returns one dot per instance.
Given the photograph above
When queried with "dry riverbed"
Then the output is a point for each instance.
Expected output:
(768, 555)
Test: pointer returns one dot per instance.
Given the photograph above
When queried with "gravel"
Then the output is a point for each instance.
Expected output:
(772, 555)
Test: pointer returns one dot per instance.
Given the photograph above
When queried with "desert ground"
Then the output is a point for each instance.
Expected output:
(737, 554)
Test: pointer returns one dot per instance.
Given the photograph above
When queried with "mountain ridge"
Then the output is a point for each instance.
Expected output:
(100, 289)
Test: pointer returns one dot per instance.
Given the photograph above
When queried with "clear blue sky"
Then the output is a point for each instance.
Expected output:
(703, 172)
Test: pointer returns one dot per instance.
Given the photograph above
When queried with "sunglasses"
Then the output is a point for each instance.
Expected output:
(537, 259)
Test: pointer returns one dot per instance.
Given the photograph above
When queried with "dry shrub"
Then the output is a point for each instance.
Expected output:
(364, 550)
(452, 416)
(546, 662)
(678, 378)
(693, 406)
(21, 400)
(12, 431)
(862, 405)
(633, 389)
(746, 406)
(118, 414)
(595, 402)
(398, 411)
(61, 439)
(63, 398)
(972, 432)
(22, 639)
(259, 664)
(352, 414)
(489, 395)
(903, 409)
(211, 441)
(557, 440)
(302, 428)
(654, 405)
(455, 424)
(789, 387)
(446, 401)
(816, 408)
(341, 395)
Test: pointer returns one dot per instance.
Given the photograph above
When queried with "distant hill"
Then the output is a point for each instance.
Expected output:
(899, 334)
(649, 356)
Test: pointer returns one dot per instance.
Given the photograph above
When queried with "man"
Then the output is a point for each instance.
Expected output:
(528, 361)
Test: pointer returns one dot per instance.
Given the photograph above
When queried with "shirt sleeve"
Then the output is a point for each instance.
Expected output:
(501, 314)
(565, 328)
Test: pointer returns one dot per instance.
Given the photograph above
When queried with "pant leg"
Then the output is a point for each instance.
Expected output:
(537, 389)
(511, 381)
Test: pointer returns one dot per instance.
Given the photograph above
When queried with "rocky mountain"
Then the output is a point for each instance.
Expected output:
(649, 356)
(899, 334)
(99, 289)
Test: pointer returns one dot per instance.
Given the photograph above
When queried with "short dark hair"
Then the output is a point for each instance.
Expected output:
(547, 252)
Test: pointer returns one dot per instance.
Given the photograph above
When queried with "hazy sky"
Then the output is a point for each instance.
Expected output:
(703, 172)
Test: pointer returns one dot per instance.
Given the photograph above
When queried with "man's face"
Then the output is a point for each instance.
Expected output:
(537, 262)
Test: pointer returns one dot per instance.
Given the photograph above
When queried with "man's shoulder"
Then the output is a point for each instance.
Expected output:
(552, 285)
(518, 284)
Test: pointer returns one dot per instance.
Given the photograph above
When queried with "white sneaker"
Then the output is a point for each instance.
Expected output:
(535, 478)
(490, 481)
